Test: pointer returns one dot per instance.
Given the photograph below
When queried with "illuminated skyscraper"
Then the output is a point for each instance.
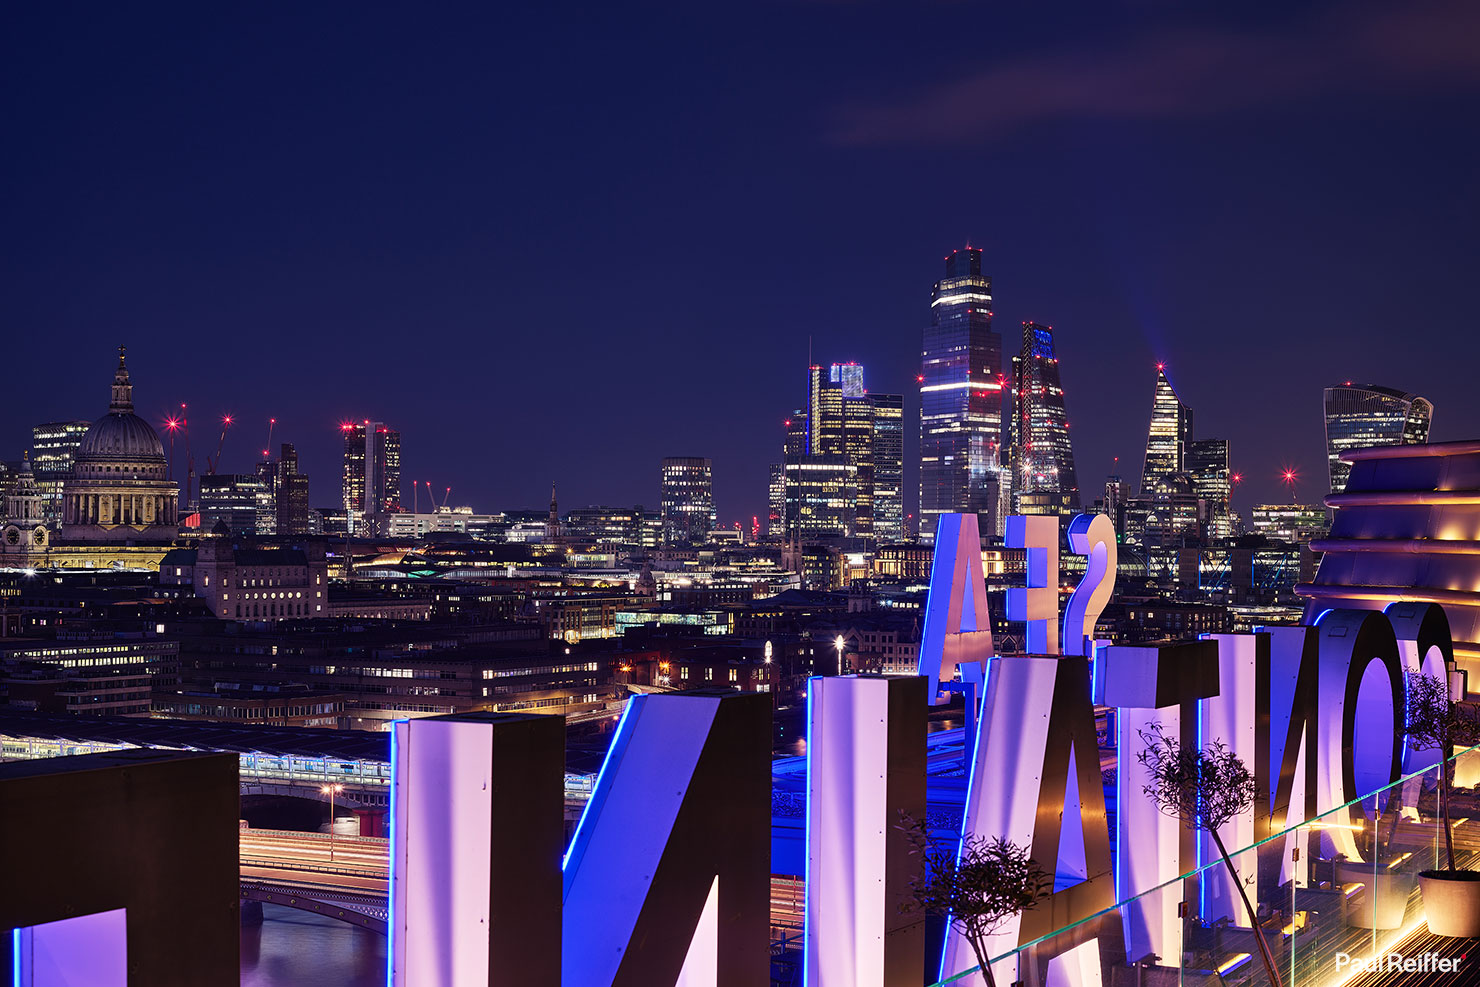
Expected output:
(847, 456)
(1044, 477)
(686, 500)
(960, 397)
(372, 483)
(233, 500)
(888, 467)
(1207, 464)
(52, 448)
(1169, 436)
(1363, 415)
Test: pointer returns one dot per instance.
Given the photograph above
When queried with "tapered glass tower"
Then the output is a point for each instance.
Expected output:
(1169, 436)
(960, 397)
(1045, 482)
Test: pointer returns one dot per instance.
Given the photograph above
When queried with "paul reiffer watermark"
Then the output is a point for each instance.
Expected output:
(1398, 963)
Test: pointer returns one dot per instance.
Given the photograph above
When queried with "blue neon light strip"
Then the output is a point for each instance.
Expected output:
(15, 954)
(807, 845)
(598, 793)
(976, 746)
(390, 915)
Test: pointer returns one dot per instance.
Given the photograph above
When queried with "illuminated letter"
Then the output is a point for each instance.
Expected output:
(1038, 603)
(865, 766)
(476, 834)
(1229, 715)
(1093, 536)
(668, 876)
(1037, 729)
(958, 627)
(1152, 685)
(1360, 673)
(1425, 642)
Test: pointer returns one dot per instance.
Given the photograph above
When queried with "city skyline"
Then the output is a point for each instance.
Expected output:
(398, 264)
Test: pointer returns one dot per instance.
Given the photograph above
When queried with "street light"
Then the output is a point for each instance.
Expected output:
(840, 644)
(331, 791)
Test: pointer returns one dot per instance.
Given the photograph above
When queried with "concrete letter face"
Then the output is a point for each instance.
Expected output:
(865, 766)
(1093, 536)
(476, 835)
(958, 625)
(1038, 728)
(1037, 604)
(683, 801)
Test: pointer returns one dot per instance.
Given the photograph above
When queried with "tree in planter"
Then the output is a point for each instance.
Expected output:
(977, 890)
(1205, 788)
(1437, 723)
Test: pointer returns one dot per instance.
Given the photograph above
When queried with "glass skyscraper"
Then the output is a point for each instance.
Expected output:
(1212, 481)
(888, 467)
(686, 500)
(379, 472)
(1044, 480)
(52, 447)
(1169, 436)
(1362, 415)
(960, 397)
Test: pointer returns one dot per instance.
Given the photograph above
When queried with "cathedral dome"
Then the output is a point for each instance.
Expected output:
(121, 436)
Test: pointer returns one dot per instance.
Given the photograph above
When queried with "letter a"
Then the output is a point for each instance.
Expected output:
(958, 626)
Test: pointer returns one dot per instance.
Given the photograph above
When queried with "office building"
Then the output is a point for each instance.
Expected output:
(686, 500)
(239, 582)
(821, 496)
(372, 472)
(1169, 435)
(52, 447)
(960, 397)
(776, 502)
(1044, 481)
(232, 500)
(290, 505)
(1212, 481)
(888, 505)
(1359, 416)
(1293, 523)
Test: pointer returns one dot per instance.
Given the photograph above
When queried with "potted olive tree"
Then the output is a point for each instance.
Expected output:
(1205, 788)
(977, 890)
(1451, 897)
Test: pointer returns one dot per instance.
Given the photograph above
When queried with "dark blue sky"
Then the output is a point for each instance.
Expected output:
(562, 242)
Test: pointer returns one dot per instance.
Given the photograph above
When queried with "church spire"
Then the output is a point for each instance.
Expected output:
(123, 391)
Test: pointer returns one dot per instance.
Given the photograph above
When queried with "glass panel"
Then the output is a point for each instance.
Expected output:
(1332, 895)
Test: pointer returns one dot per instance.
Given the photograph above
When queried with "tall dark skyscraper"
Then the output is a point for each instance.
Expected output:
(1169, 436)
(1044, 481)
(1207, 463)
(960, 397)
(1363, 415)
(686, 500)
(291, 501)
(372, 469)
(888, 468)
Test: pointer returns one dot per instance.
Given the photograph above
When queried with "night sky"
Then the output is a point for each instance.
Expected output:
(558, 242)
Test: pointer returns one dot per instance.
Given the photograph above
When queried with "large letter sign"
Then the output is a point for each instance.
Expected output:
(1093, 536)
(958, 626)
(1037, 604)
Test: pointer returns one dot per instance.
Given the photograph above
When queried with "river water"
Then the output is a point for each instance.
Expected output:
(293, 948)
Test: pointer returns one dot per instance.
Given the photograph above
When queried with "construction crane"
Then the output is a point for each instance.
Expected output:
(267, 451)
(212, 464)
